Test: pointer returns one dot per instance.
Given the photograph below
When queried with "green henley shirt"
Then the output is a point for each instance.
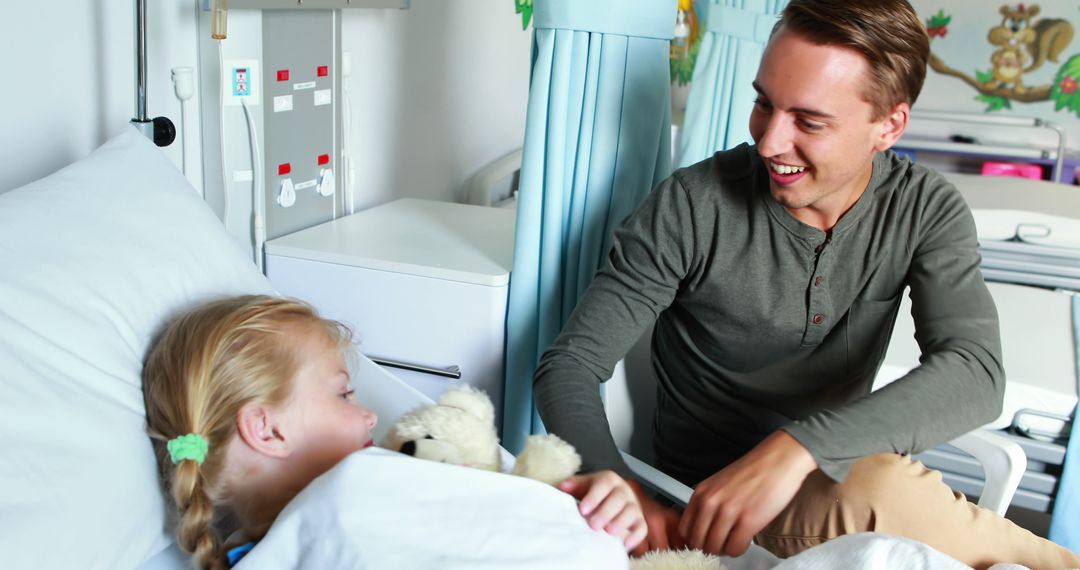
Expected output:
(763, 323)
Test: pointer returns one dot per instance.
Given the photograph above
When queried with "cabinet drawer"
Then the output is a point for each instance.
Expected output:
(430, 322)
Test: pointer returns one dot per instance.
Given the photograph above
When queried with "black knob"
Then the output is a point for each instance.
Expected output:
(164, 131)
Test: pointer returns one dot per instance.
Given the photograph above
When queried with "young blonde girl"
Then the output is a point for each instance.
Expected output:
(248, 399)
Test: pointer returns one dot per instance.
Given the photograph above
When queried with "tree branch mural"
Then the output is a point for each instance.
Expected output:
(1023, 44)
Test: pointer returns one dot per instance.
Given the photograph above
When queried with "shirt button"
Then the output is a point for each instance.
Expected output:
(819, 318)
(818, 280)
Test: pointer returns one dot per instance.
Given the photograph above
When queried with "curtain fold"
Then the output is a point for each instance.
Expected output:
(597, 139)
(1064, 529)
(721, 95)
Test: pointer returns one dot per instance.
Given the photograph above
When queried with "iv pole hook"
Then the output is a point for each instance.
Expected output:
(160, 129)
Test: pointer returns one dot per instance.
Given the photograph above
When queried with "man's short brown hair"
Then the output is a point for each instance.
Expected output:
(888, 33)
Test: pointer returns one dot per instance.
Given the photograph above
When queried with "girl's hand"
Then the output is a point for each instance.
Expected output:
(608, 503)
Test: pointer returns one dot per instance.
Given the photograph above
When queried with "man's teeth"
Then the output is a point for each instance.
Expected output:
(785, 169)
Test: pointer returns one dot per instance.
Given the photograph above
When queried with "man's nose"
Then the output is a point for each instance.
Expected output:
(777, 137)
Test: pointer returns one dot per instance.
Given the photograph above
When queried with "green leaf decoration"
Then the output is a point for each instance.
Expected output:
(682, 69)
(524, 7)
(994, 102)
(939, 20)
(984, 76)
(1066, 89)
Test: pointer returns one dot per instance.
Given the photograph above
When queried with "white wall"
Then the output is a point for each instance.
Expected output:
(437, 90)
(69, 78)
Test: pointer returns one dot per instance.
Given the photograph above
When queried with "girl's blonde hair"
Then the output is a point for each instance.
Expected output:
(206, 366)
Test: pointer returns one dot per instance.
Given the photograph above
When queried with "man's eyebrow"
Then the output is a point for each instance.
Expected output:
(802, 110)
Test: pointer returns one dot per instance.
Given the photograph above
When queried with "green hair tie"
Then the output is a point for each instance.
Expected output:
(191, 446)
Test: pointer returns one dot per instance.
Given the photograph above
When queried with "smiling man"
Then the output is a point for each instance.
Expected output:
(773, 274)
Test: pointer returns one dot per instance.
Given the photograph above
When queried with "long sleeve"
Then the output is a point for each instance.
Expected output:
(648, 260)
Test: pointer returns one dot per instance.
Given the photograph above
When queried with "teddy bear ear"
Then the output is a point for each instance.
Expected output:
(472, 401)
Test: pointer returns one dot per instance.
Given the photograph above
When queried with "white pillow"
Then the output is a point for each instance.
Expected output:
(93, 259)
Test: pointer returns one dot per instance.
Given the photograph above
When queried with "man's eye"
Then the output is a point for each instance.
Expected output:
(812, 126)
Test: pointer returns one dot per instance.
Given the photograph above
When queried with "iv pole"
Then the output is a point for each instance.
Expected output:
(160, 129)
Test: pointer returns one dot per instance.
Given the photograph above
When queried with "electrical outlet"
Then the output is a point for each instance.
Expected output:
(243, 81)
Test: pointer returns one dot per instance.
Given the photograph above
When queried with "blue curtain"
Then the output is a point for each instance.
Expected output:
(721, 94)
(1065, 523)
(597, 139)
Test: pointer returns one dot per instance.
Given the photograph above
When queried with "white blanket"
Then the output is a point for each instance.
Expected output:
(871, 550)
(379, 509)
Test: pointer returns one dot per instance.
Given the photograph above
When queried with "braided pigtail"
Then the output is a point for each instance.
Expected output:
(195, 531)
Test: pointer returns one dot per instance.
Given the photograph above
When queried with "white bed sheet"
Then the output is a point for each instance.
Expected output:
(380, 509)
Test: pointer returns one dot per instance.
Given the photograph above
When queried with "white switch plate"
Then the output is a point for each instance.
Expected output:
(324, 97)
(283, 103)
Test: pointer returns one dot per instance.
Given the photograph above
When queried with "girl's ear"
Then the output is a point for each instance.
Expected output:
(259, 428)
(893, 126)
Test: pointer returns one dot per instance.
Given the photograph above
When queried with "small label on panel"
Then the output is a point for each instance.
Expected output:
(304, 85)
(324, 97)
(306, 185)
(282, 103)
(242, 82)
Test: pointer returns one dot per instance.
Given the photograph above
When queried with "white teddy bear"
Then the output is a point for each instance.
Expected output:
(460, 429)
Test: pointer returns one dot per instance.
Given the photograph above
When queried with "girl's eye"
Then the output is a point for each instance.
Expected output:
(347, 395)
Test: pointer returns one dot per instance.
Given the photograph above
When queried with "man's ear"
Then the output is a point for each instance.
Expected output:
(259, 427)
(893, 126)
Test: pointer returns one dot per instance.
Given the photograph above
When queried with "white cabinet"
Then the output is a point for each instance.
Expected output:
(420, 282)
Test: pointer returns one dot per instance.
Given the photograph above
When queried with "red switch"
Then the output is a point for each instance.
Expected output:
(324, 159)
(283, 75)
(323, 71)
(284, 168)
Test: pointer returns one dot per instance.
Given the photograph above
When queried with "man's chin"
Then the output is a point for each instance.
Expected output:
(788, 198)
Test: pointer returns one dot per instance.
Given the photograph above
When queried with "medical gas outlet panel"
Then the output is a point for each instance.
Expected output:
(274, 145)
(300, 83)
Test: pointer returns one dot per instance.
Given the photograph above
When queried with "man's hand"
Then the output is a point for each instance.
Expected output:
(662, 522)
(729, 508)
(608, 503)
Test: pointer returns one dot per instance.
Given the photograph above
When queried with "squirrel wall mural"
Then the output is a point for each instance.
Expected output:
(1022, 43)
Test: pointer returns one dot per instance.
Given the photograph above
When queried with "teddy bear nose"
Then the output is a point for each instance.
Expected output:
(408, 448)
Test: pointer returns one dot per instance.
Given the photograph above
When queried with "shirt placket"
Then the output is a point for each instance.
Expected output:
(819, 306)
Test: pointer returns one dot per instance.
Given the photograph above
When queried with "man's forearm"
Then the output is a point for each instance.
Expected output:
(568, 400)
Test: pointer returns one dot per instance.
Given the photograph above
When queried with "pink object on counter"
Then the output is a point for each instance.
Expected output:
(1032, 171)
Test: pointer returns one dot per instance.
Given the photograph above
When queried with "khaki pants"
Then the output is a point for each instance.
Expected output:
(895, 494)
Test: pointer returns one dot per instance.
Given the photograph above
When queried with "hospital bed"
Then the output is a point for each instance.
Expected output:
(96, 258)
(1029, 234)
